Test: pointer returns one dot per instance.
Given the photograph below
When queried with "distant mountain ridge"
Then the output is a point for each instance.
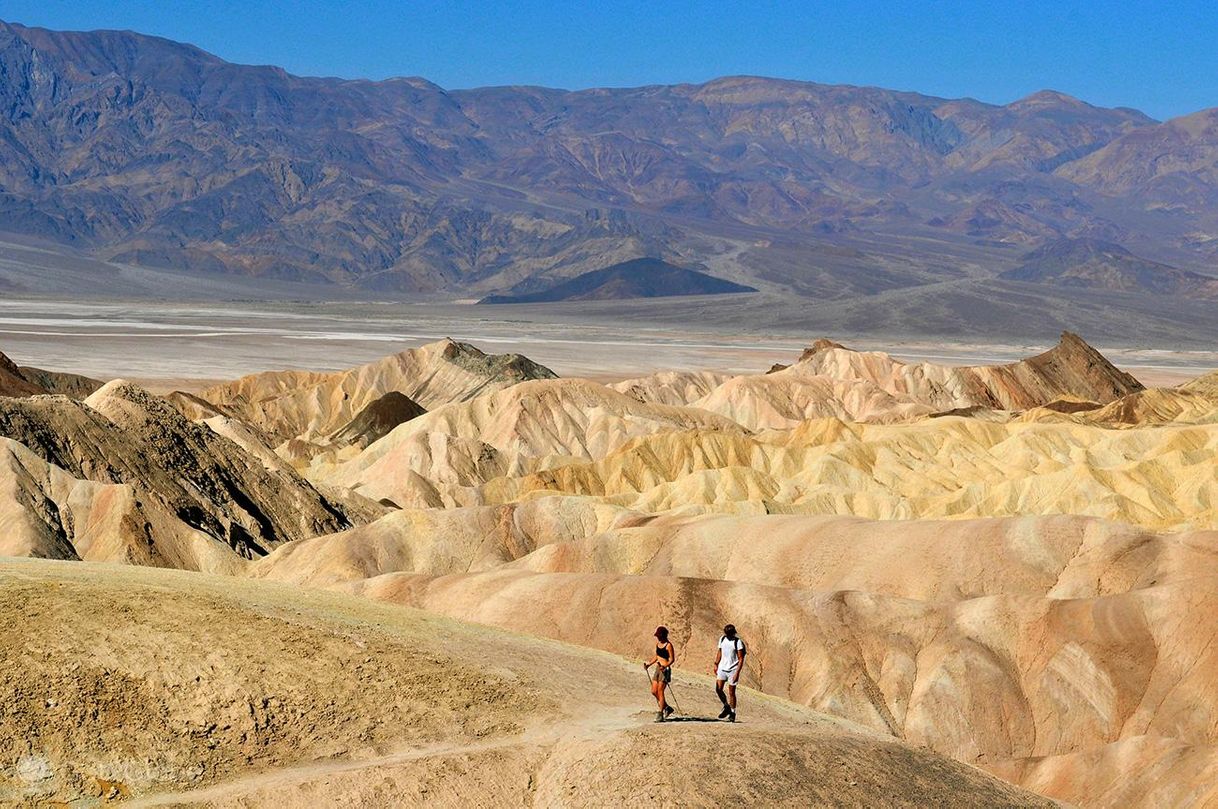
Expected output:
(638, 278)
(141, 150)
(1095, 264)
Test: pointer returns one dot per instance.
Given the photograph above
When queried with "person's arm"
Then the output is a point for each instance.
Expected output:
(672, 656)
(741, 651)
(718, 657)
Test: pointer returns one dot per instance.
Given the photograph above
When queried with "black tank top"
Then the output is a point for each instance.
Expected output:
(662, 651)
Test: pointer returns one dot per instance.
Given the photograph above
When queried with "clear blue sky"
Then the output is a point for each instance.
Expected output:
(1161, 58)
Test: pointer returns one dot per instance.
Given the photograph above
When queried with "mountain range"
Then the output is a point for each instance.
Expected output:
(139, 150)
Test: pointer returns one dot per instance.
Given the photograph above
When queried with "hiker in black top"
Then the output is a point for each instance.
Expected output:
(663, 659)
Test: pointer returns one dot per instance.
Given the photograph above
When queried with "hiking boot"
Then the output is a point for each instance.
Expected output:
(668, 710)
(731, 716)
(659, 716)
(727, 709)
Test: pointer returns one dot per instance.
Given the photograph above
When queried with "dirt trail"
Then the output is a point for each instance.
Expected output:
(296, 775)
(543, 735)
(610, 712)
(165, 688)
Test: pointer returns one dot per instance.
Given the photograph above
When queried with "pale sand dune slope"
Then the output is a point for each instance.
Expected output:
(440, 541)
(929, 560)
(1014, 644)
(947, 467)
(532, 425)
(298, 404)
(1002, 682)
(786, 398)
(168, 688)
(671, 387)
(833, 381)
(1183, 405)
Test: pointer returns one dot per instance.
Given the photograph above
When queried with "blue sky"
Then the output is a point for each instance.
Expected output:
(1161, 58)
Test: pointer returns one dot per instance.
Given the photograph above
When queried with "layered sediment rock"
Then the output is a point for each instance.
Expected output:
(126, 457)
(309, 406)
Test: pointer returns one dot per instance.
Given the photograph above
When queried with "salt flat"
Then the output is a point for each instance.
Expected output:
(176, 345)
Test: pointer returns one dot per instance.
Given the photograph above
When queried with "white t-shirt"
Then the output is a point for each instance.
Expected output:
(730, 649)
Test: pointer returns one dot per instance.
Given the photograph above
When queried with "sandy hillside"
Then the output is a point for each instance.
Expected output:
(1024, 646)
(172, 688)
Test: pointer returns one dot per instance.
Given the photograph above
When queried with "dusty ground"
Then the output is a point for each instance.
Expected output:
(172, 688)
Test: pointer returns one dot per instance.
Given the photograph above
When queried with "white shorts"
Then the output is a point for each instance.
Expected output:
(728, 677)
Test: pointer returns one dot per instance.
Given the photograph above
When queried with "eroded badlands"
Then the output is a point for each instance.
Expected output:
(1012, 567)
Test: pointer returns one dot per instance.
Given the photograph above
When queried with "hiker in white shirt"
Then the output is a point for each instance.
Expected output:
(729, 662)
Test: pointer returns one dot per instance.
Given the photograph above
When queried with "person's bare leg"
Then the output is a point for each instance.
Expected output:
(731, 697)
(657, 690)
(719, 692)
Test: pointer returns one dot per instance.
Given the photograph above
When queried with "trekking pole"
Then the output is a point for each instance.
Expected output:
(673, 694)
(676, 705)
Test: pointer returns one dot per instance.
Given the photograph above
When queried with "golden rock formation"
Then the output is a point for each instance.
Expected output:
(308, 405)
(1008, 565)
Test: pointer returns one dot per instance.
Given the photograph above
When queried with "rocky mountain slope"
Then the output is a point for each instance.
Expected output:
(831, 380)
(1093, 264)
(122, 476)
(377, 420)
(14, 383)
(147, 151)
(701, 432)
(23, 381)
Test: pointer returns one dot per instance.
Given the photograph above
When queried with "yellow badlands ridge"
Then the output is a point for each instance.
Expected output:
(946, 467)
(1009, 566)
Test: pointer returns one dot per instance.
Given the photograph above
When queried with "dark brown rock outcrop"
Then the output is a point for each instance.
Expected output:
(13, 383)
(378, 419)
(124, 435)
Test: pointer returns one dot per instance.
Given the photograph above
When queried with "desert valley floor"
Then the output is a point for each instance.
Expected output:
(407, 567)
(189, 344)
